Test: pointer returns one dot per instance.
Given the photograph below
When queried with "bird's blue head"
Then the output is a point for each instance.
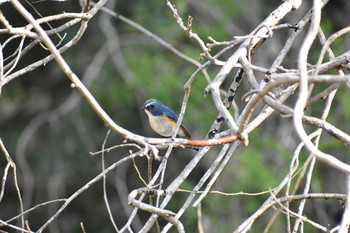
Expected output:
(157, 108)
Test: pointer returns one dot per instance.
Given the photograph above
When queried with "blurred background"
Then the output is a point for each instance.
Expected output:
(49, 130)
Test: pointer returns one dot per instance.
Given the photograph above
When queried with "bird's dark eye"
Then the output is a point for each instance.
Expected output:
(150, 106)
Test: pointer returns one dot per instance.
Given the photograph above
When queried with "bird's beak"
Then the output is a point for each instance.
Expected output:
(142, 108)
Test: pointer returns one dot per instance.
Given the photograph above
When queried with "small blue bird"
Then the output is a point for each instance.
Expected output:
(163, 119)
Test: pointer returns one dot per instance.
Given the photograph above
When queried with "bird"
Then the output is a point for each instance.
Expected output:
(162, 119)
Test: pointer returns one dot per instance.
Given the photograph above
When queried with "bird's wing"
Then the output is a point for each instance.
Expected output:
(183, 132)
(170, 113)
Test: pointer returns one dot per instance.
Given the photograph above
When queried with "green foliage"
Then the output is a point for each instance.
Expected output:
(257, 168)
(59, 147)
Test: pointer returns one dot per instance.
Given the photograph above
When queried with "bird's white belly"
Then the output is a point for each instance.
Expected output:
(161, 125)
